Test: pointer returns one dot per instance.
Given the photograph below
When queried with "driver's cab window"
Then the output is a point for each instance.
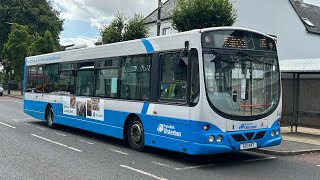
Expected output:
(174, 76)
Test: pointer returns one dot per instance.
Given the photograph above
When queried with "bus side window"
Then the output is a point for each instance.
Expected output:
(173, 77)
(195, 81)
(31, 79)
(51, 78)
(39, 79)
(135, 77)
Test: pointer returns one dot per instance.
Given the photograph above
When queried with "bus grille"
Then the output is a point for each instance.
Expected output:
(238, 137)
(249, 136)
(259, 135)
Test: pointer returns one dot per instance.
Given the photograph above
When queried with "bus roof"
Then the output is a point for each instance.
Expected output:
(138, 46)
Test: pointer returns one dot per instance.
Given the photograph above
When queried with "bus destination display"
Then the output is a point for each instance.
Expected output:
(237, 40)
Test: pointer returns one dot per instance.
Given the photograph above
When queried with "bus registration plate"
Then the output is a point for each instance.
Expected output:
(248, 145)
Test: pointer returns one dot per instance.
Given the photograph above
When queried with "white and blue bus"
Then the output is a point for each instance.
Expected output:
(204, 91)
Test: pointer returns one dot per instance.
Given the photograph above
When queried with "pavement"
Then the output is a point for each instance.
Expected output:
(306, 140)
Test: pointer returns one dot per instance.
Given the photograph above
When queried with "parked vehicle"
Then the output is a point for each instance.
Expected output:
(1, 90)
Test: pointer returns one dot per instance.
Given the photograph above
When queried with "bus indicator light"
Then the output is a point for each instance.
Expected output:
(206, 127)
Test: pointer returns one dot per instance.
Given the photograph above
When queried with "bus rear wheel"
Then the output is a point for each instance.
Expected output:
(50, 117)
(135, 134)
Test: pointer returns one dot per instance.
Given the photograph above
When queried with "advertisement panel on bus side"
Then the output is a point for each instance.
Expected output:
(92, 108)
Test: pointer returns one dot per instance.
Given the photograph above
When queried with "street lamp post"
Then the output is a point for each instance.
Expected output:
(159, 17)
(9, 73)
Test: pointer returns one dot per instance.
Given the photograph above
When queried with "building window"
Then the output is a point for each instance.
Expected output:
(166, 31)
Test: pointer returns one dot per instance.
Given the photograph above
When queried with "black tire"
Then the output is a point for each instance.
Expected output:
(135, 134)
(50, 117)
(1, 94)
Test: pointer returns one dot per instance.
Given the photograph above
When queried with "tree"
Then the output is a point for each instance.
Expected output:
(113, 32)
(135, 28)
(42, 44)
(16, 49)
(124, 29)
(198, 14)
(37, 15)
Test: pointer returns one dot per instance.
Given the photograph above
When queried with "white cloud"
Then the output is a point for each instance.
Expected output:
(97, 12)
(78, 41)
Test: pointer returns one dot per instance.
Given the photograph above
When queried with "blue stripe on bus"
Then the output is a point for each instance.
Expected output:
(145, 108)
(147, 45)
(181, 135)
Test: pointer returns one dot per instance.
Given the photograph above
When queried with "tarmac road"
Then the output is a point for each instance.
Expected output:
(30, 150)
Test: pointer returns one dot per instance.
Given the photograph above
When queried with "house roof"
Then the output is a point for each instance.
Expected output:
(166, 12)
(308, 13)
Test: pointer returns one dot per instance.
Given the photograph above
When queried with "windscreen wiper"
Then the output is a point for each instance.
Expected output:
(222, 57)
(253, 58)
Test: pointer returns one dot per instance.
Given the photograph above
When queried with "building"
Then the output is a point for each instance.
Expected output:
(295, 23)
(166, 18)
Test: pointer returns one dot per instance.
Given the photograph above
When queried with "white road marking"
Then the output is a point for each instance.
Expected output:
(63, 145)
(183, 168)
(143, 172)
(194, 167)
(318, 165)
(61, 134)
(41, 128)
(27, 124)
(17, 120)
(259, 159)
(164, 165)
(117, 151)
(7, 125)
(11, 101)
(86, 142)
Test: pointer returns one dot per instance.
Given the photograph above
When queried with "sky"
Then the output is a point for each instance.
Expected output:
(84, 18)
(314, 2)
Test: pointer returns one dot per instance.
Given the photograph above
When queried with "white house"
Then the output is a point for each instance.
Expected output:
(295, 22)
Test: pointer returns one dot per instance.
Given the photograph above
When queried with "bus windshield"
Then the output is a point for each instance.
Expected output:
(241, 84)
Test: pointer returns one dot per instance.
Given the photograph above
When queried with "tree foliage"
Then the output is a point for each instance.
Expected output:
(42, 44)
(113, 32)
(38, 15)
(17, 48)
(198, 14)
(135, 28)
(123, 29)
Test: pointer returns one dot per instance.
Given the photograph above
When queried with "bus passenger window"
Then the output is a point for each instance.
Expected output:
(173, 77)
(51, 78)
(39, 78)
(135, 77)
(66, 83)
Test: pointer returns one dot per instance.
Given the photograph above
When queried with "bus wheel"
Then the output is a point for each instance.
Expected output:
(50, 117)
(135, 134)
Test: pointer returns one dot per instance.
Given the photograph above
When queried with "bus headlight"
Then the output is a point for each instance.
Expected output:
(273, 133)
(219, 139)
(277, 132)
(211, 139)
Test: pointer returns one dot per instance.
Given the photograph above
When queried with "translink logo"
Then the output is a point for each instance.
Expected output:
(168, 129)
(247, 126)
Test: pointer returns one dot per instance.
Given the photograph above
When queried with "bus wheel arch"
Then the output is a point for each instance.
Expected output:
(133, 132)
(49, 116)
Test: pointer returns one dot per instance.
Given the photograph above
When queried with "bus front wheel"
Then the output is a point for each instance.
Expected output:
(135, 134)
(50, 117)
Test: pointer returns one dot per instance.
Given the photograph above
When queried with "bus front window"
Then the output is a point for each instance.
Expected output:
(239, 84)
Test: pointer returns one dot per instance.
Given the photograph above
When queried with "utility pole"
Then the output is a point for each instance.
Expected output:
(159, 18)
